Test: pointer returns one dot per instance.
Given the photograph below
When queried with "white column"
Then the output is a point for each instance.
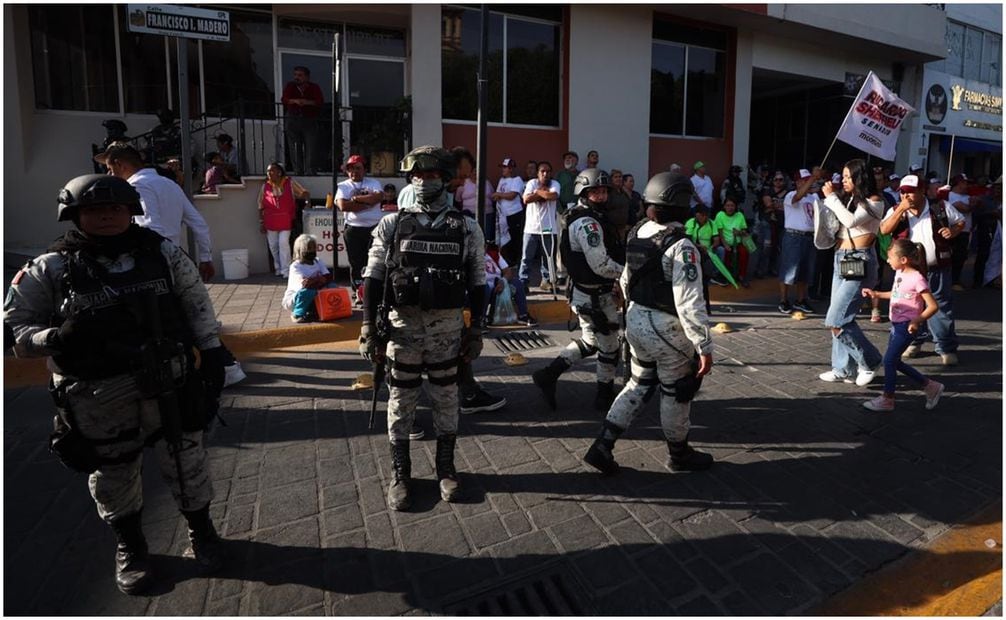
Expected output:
(742, 100)
(424, 74)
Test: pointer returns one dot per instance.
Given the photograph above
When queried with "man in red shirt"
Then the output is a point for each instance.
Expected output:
(302, 100)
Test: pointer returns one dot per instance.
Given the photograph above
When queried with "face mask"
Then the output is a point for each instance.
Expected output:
(309, 257)
(427, 190)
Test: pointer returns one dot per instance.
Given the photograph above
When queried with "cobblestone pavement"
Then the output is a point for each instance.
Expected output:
(810, 491)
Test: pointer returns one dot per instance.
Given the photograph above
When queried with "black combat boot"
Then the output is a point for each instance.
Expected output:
(132, 569)
(205, 546)
(449, 489)
(546, 378)
(600, 456)
(605, 396)
(401, 474)
(683, 457)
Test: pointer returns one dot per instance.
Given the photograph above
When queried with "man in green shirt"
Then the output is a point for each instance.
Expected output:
(566, 178)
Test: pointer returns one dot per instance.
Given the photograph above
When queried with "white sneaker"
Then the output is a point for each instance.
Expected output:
(233, 374)
(913, 350)
(831, 377)
(933, 390)
(949, 359)
(863, 377)
(880, 403)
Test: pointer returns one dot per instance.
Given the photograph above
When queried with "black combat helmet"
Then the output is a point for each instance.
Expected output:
(589, 179)
(426, 158)
(669, 189)
(96, 189)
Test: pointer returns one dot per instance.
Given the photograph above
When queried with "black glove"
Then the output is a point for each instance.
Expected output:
(211, 369)
(370, 345)
(77, 333)
(471, 344)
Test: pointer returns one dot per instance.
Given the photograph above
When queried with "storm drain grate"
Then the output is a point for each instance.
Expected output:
(551, 593)
(516, 342)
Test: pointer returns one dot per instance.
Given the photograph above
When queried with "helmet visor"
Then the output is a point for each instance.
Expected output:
(421, 161)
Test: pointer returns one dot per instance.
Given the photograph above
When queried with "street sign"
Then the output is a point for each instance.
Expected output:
(180, 21)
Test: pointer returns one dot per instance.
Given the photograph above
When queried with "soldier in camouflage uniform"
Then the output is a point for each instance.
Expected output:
(424, 259)
(592, 254)
(666, 326)
(88, 304)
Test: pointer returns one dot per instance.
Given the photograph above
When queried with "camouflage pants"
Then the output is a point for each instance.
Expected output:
(410, 355)
(118, 431)
(661, 354)
(591, 339)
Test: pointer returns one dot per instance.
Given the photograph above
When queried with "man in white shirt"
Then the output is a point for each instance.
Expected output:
(703, 187)
(541, 195)
(933, 224)
(360, 199)
(508, 202)
(797, 253)
(962, 202)
(165, 205)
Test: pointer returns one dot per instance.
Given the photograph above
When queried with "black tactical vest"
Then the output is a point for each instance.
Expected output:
(576, 264)
(117, 306)
(430, 263)
(647, 285)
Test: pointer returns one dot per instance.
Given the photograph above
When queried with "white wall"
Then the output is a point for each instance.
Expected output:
(789, 56)
(609, 77)
(424, 74)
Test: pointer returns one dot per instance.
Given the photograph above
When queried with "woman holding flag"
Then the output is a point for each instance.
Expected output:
(858, 209)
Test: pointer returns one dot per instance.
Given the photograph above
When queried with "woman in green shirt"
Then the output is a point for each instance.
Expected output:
(705, 235)
(732, 228)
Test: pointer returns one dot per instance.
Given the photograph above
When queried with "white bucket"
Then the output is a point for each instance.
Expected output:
(235, 264)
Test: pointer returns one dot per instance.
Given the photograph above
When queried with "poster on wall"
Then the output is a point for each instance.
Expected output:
(875, 120)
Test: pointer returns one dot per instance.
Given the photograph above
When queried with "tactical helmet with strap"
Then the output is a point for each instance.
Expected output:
(427, 158)
(589, 179)
(96, 189)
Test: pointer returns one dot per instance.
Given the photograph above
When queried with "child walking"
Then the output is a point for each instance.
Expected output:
(912, 303)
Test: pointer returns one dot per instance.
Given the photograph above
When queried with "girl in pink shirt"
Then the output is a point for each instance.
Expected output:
(912, 303)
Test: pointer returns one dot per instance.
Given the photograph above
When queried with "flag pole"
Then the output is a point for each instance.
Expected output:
(842, 124)
(953, 138)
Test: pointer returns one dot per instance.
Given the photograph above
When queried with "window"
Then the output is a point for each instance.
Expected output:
(972, 53)
(687, 81)
(241, 68)
(73, 58)
(991, 72)
(523, 58)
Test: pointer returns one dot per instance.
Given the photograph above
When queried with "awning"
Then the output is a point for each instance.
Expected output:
(970, 145)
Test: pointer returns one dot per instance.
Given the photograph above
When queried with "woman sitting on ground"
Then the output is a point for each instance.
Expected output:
(308, 275)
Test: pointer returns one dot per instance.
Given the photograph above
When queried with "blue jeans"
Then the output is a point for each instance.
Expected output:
(796, 258)
(896, 345)
(941, 324)
(850, 349)
(535, 247)
(303, 303)
(763, 230)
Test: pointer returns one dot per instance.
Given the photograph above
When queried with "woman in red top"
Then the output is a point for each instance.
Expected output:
(277, 208)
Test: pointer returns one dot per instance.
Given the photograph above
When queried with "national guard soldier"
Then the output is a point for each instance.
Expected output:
(118, 309)
(666, 326)
(424, 259)
(589, 248)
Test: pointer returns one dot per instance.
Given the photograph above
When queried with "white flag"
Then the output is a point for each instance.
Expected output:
(875, 120)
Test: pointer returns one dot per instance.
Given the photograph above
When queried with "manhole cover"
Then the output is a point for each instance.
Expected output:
(513, 342)
(552, 592)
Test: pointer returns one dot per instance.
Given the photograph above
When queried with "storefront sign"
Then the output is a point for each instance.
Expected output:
(961, 107)
(319, 224)
(180, 21)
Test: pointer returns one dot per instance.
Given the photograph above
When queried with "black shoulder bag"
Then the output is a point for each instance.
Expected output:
(853, 266)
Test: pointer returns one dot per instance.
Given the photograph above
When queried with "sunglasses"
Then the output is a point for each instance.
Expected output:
(778, 179)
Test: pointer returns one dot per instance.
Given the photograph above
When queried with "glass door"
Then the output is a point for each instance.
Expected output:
(381, 121)
(320, 66)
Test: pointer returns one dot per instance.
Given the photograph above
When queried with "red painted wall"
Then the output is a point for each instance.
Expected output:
(519, 143)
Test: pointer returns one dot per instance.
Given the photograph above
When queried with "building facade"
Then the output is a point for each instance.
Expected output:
(645, 85)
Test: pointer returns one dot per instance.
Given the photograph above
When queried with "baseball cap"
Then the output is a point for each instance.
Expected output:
(909, 182)
(836, 178)
(915, 168)
(698, 165)
(355, 159)
(957, 178)
(894, 177)
(116, 150)
(804, 173)
(507, 162)
(933, 181)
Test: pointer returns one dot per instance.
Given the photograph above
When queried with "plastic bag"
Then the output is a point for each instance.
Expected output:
(505, 312)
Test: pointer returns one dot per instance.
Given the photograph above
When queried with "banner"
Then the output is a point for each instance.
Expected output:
(875, 120)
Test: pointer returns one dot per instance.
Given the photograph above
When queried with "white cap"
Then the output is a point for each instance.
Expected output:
(804, 173)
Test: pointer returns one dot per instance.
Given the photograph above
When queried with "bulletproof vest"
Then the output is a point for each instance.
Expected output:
(116, 306)
(938, 218)
(576, 264)
(429, 263)
(643, 258)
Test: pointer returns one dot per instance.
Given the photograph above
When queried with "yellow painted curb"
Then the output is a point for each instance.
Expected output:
(958, 574)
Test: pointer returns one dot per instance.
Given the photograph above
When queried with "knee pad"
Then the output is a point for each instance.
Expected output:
(683, 389)
(611, 359)
(586, 350)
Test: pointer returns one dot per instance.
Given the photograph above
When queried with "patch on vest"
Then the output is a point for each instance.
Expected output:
(688, 256)
(108, 296)
(691, 272)
(593, 231)
(418, 246)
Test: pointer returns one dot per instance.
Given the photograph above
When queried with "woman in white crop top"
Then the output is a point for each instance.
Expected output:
(859, 208)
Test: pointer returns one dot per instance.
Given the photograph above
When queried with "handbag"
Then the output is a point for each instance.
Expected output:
(853, 266)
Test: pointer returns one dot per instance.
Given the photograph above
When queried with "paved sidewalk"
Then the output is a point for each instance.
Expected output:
(809, 494)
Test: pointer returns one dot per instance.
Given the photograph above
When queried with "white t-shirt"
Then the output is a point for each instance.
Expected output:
(799, 216)
(494, 269)
(540, 216)
(953, 199)
(367, 217)
(922, 229)
(299, 271)
(703, 189)
(510, 184)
